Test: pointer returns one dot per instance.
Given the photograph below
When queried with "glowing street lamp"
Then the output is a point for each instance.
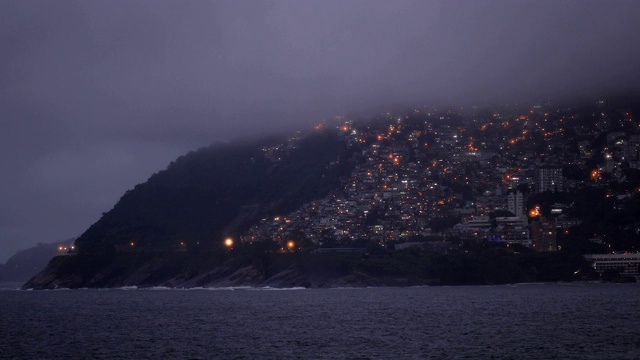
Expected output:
(291, 244)
(535, 212)
(228, 242)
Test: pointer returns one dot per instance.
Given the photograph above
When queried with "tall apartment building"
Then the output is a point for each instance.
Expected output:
(515, 202)
(543, 235)
(549, 179)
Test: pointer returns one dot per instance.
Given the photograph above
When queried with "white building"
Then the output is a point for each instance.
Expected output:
(549, 179)
(628, 264)
(515, 203)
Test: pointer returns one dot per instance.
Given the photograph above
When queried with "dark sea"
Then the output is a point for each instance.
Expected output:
(529, 321)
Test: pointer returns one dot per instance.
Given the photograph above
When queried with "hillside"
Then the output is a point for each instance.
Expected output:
(552, 182)
(215, 192)
(28, 262)
(185, 211)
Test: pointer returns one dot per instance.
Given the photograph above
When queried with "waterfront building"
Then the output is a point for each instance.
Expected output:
(543, 235)
(627, 264)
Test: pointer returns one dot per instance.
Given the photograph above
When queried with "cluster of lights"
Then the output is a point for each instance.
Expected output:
(535, 212)
(62, 248)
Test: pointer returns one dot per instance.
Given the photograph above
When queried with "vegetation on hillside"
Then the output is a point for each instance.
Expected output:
(215, 192)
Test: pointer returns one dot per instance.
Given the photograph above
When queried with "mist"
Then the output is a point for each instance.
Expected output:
(96, 96)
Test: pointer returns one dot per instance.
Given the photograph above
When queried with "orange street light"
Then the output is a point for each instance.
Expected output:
(535, 212)
(228, 242)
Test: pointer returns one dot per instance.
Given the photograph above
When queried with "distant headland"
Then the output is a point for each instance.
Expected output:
(477, 195)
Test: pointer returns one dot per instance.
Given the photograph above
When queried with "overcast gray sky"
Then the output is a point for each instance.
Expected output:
(95, 96)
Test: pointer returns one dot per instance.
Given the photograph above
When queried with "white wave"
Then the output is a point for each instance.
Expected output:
(182, 288)
(197, 288)
(227, 288)
(133, 287)
(269, 288)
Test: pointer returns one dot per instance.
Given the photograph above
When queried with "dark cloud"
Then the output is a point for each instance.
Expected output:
(95, 95)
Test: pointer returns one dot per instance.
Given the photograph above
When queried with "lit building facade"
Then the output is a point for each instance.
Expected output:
(515, 202)
(543, 235)
(549, 179)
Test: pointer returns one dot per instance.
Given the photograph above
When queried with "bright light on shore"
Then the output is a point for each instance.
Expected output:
(535, 212)
(228, 242)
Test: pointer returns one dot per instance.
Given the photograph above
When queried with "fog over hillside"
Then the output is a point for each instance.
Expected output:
(97, 96)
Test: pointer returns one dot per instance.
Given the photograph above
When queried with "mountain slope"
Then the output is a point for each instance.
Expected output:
(200, 194)
(184, 211)
(28, 262)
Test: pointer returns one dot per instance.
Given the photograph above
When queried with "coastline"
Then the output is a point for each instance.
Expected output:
(403, 268)
(270, 288)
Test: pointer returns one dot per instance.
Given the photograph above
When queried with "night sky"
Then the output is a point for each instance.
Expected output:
(98, 95)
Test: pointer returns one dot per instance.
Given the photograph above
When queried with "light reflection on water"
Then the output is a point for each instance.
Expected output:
(567, 321)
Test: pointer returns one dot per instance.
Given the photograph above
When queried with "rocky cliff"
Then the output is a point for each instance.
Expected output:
(73, 272)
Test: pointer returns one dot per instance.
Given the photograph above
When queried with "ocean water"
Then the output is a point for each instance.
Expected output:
(532, 321)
